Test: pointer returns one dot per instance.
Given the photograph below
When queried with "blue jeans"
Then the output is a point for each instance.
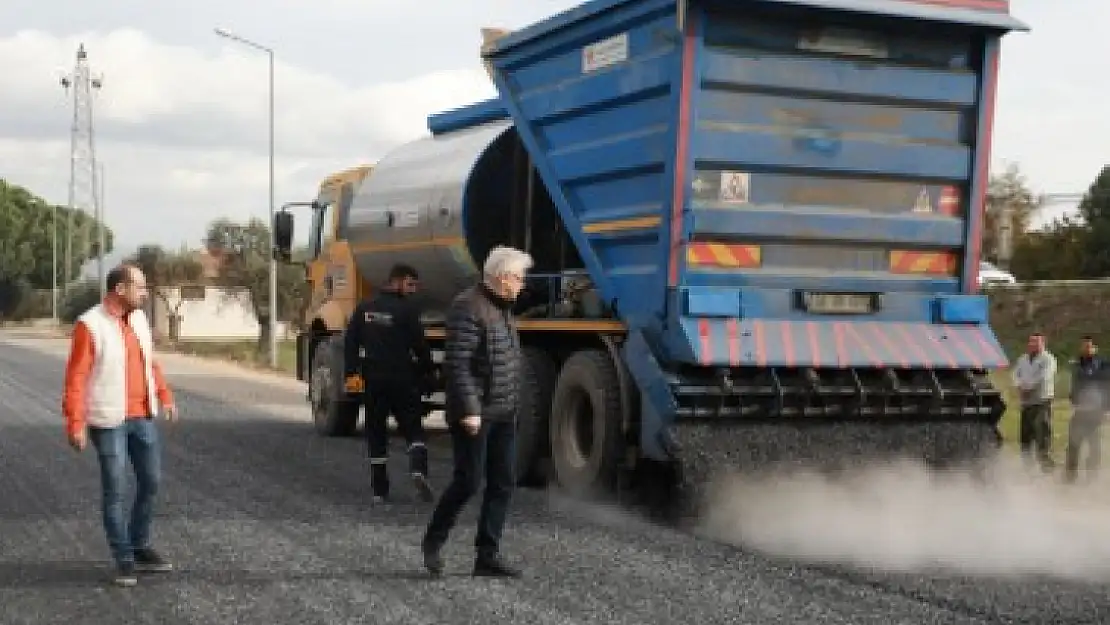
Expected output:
(138, 440)
(489, 453)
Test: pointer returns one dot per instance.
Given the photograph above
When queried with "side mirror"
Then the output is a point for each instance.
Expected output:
(283, 236)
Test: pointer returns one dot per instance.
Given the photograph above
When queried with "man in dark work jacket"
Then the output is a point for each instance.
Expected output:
(1089, 405)
(483, 367)
(396, 363)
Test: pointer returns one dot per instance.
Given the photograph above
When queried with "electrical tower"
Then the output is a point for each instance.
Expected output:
(84, 187)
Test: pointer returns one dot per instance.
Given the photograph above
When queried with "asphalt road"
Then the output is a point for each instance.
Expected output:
(269, 524)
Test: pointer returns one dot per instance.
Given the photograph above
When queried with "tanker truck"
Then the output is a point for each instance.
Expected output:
(756, 230)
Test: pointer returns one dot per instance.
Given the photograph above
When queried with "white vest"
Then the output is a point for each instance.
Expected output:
(106, 402)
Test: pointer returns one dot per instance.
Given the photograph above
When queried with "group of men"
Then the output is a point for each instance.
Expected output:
(115, 392)
(386, 350)
(1034, 376)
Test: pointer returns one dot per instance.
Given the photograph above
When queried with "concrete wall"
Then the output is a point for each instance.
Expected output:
(207, 314)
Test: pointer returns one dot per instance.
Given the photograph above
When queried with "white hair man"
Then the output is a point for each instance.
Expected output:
(482, 366)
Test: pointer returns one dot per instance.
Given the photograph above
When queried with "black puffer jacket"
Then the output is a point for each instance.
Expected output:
(482, 364)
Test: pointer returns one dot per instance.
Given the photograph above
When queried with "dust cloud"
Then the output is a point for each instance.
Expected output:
(902, 518)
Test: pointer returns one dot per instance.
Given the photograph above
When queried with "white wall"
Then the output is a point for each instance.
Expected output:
(215, 317)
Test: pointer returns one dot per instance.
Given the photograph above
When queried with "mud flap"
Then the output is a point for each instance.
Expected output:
(711, 450)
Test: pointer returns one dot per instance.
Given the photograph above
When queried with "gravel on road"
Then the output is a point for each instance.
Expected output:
(268, 523)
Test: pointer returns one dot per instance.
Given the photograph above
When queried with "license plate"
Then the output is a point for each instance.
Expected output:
(838, 303)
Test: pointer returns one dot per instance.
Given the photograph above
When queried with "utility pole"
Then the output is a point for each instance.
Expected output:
(100, 236)
(273, 310)
(1005, 234)
(83, 187)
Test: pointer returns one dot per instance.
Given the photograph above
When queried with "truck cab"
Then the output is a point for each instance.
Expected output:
(334, 286)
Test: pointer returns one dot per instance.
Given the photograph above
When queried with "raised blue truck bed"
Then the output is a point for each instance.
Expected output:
(775, 196)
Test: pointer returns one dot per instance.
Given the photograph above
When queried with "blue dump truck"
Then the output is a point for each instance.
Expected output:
(756, 227)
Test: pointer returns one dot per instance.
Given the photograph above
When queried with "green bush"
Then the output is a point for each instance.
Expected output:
(79, 298)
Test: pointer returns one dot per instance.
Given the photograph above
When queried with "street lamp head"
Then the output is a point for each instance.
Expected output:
(221, 32)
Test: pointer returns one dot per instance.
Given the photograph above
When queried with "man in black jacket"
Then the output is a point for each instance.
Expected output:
(1089, 404)
(387, 331)
(483, 368)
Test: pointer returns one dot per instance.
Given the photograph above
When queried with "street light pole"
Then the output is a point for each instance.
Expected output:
(272, 318)
(100, 238)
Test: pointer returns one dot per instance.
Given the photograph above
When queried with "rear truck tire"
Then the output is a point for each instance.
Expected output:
(586, 439)
(332, 414)
(533, 418)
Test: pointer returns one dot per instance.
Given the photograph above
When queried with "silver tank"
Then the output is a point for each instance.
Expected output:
(412, 209)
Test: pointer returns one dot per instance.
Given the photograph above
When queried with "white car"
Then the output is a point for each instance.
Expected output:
(989, 274)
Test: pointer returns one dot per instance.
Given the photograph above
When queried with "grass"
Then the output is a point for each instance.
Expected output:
(244, 352)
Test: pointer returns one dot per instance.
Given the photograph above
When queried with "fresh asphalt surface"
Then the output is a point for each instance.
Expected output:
(268, 523)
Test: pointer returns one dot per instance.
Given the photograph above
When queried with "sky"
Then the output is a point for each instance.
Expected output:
(181, 118)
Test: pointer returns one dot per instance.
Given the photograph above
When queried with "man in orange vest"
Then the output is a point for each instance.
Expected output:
(114, 391)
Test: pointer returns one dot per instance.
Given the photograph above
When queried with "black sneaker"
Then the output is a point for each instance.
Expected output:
(493, 566)
(125, 575)
(433, 561)
(149, 561)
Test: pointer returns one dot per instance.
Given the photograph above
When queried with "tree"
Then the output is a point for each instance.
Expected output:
(27, 241)
(1054, 254)
(164, 269)
(1095, 212)
(244, 249)
(1007, 191)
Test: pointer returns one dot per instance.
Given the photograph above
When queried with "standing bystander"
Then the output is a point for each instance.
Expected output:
(1089, 403)
(1035, 378)
(483, 369)
(114, 391)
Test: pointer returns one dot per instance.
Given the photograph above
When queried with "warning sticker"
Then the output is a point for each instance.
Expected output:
(735, 187)
(604, 53)
(923, 203)
(949, 201)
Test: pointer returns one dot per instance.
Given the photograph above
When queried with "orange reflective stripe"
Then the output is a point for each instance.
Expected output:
(727, 255)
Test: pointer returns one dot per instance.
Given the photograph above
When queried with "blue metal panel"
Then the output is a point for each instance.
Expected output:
(825, 343)
(819, 76)
(765, 222)
(467, 116)
(803, 193)
(594, 132)
(963, 309)
(828, 280)
(888, 122)
(658, 404)
(817, 151)
(702, 302)
(780, 303)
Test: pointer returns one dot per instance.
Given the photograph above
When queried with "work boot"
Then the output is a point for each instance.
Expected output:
(433, 561)
(379, 482)
(418, 467)
(492, 565)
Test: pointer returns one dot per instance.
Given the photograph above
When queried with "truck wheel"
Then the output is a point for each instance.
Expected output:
(586, 425)
(330, 415)
(532, 421)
